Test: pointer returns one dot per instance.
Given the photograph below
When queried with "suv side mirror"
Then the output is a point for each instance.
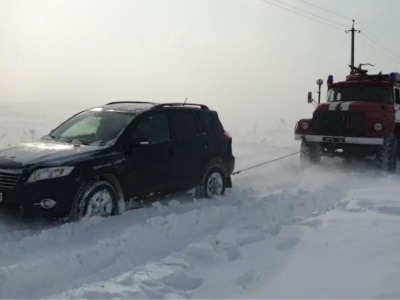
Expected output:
(140, 141)
(309, 97)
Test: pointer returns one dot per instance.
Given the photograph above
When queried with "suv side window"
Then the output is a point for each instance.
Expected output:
(154, 127)
(184, 124)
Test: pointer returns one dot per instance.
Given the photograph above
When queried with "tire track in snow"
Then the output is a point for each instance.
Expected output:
(99, 249)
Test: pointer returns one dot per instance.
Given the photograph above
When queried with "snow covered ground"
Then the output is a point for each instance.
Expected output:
(326, 231)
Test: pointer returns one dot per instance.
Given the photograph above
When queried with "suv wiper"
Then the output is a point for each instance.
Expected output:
(76, 142)
(64, 140)
(69, 141)
(49, 136)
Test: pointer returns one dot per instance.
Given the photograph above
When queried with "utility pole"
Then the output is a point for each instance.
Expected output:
(352, 30)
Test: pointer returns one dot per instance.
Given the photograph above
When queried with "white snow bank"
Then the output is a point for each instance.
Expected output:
(198, 237)
(98, 249)
(342, 254)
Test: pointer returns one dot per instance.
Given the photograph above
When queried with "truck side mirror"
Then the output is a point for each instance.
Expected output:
(309, 97)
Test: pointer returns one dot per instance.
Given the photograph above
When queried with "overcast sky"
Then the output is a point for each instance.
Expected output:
(245, 58)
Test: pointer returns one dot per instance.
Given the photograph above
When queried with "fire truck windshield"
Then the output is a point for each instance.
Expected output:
(375, 93)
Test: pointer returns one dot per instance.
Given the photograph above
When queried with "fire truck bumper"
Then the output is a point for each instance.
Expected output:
(340, 139)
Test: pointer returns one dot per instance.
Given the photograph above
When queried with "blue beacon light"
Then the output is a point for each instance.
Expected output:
(392, 76)
(330, 79)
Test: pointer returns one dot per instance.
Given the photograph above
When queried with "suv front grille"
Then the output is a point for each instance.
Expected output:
(344, 123)
(8, 180)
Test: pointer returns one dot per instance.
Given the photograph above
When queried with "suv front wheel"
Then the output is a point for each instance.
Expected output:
(212, 183)
(96, 198)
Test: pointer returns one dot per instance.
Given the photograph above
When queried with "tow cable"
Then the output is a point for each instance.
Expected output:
(264, 163)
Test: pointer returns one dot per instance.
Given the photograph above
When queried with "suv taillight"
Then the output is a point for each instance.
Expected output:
(227, 135)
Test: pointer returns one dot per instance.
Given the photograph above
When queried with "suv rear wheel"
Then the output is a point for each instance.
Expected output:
(96, 198)
(212, 183)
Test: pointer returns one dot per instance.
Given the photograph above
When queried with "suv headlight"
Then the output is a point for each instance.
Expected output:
(49, 173)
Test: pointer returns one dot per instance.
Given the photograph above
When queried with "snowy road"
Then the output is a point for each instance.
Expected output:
(281, 232)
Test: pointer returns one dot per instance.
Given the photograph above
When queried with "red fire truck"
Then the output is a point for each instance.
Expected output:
(359, 120)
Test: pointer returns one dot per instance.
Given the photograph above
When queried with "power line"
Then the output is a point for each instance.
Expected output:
(375, 40)
(394, 54)
(297, 13)
(327, 10)
(381, 52)
(307, 12)
(367, 33)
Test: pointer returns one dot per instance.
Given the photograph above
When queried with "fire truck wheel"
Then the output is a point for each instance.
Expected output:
(388, 153)
(310, 153)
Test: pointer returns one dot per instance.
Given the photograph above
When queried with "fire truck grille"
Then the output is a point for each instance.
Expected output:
(336, 123)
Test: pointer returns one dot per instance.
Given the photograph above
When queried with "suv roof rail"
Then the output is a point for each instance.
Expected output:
(202, 106)
(140, 102)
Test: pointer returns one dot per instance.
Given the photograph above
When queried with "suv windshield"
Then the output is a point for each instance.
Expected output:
(361, 93)
(93, 126)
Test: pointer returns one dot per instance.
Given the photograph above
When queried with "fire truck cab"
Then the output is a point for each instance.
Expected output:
(359, 120)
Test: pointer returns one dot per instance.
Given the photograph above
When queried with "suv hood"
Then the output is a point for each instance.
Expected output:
(49, 152)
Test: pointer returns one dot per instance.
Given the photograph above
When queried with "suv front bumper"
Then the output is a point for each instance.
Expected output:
(340, 139)
(27, 196)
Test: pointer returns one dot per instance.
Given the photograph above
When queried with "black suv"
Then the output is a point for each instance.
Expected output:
(103, 159)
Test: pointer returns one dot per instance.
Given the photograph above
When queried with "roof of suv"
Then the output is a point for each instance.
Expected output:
(128, 106)
(136, 106)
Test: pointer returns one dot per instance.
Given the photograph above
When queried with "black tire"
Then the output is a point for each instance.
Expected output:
(388, 154)
(310, 153)
(212, 184)
(87, 199)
